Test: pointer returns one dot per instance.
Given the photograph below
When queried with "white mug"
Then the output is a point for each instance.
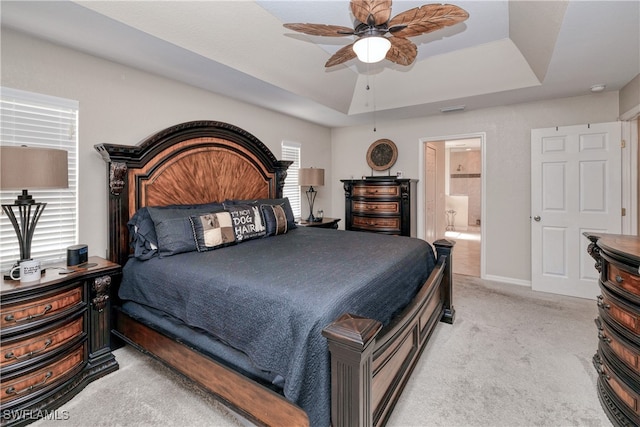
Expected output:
(27, 271)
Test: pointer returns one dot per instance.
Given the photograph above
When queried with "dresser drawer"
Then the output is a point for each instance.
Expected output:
(391, 224)
(18, 315)
(42, 379)
(40, 343)
(376, 207)
(373, 191)
(622, 392)
(624, 350)
(619, 278)
(616, 310)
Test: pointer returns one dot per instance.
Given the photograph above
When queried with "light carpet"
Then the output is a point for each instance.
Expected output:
(513, 357)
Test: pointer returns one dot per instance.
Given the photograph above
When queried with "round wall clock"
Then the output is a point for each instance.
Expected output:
(382, 154)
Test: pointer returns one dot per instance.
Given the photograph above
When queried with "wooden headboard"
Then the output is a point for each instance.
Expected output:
(193, 162)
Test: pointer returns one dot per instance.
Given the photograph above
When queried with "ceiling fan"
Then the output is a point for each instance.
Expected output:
(373, 23)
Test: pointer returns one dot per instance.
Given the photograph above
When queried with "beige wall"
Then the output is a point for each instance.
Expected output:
(507, 158)
(122, 105)
(630, 96)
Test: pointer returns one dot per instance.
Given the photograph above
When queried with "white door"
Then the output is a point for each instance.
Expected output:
(575, 188)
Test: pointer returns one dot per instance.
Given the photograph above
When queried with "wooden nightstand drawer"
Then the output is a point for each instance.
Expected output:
(35, 345)
(619, 278)
(373, 191)
(43, 378)
(376, 207)
(377, 223)
(24, 313)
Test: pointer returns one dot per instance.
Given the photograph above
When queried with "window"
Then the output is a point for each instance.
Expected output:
(41, 121)
(291, 151)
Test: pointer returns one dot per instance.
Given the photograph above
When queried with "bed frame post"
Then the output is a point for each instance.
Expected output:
(351, 342)
(444, 248)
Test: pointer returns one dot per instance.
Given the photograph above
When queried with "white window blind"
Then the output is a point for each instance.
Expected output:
(291, 151)
(37, 120)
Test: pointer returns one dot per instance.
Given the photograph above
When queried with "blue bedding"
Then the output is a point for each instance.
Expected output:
(270, 298)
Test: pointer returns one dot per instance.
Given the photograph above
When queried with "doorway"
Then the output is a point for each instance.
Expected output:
(453, 177)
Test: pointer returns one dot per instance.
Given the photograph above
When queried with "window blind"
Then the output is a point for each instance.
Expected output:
(291, 151)
(38, 120)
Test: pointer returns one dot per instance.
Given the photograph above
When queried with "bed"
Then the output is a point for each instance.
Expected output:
(286, 325)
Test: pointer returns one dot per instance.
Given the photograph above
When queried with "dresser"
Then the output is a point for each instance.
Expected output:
(381, 204)
(54, 339)
(617, 359)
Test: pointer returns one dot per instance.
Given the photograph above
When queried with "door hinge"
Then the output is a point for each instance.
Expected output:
(624, 211)
(623, 143)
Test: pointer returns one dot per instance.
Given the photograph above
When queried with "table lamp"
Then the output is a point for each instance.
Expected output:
(310, 177)
(24, 168)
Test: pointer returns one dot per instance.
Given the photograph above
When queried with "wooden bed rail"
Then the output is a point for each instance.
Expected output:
(364, 355)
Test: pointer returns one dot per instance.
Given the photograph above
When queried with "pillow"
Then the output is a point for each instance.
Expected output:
(275, 219)
(173, 227)
(142, 234)
(212, 230)
(284, 202)
(247, 222)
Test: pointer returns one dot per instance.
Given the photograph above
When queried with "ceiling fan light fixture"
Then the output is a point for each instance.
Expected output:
(371, 49)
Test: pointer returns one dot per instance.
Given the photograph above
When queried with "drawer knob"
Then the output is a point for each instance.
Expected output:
(603, 337)
(601, 303)
(11, 317)
(12, 391)
(619, 279)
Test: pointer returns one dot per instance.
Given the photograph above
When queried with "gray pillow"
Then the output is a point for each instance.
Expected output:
(173, 227)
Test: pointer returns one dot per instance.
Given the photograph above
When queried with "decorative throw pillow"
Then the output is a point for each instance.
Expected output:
(275, 219)
(247, 222)
(284, 202)
(212, 230)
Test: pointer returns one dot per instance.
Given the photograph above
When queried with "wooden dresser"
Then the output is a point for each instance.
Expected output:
(618, 357)
(54, 339)
(381, 204)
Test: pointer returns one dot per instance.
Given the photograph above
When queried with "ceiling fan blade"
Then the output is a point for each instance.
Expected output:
(425, 19)
(402, 51)
(371, 12)
(320, 29)
(342, 55)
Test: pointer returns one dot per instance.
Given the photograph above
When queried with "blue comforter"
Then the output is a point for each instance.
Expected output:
(270, 298)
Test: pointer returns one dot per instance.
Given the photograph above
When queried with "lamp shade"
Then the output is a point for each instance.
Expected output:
(33, 168)
(371, 49)
(310, 177)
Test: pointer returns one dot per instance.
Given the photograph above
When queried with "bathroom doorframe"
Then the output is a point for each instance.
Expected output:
(421, 188)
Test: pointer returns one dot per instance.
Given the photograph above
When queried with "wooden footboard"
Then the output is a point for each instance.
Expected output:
(370, 365)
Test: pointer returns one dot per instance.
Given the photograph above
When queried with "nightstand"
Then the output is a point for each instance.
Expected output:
(325, 223)
(54, 338)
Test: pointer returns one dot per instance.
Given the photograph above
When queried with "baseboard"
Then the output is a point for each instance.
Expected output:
(509, 280)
